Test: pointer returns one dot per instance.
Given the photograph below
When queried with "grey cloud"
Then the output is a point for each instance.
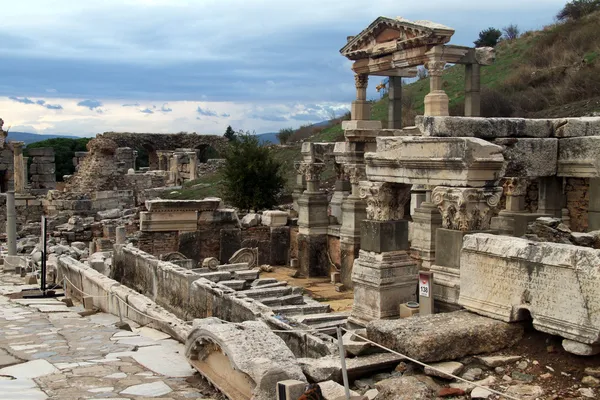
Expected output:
(147, 111)
(53, 106)
(131, 105)
(206, 112)
(23, 100)
(165, 108)
(273, 118)
(26, 100)
(91, 104)
(225, 115)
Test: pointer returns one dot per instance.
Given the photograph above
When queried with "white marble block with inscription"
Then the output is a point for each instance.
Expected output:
(502, 277)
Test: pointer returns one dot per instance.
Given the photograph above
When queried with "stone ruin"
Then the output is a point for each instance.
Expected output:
(504, 212)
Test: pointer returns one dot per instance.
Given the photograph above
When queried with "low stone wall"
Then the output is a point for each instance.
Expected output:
(78, 203)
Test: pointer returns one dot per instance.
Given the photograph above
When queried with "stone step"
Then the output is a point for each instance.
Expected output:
(264, 281)
(321, 318)
(234, 284)
(217, 276)
(329, 327)
(248, 275)
(292, 299)
(272, 301)
(233, 267)
(303, 309)
(272, 285)
(269, 292)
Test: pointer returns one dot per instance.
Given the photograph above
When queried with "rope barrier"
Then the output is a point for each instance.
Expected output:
(431, 367)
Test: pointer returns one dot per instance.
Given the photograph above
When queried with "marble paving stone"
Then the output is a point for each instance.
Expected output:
(30, 369)
(153, 389)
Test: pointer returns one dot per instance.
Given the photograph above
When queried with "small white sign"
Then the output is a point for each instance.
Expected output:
(424, 286)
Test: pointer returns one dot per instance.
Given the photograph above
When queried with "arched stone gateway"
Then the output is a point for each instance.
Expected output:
(245, 361)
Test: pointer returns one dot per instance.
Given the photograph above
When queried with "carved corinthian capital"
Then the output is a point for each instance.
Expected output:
(355, 173)
(311, 171)
(466, 209)
(515, 186)
(435, 68)
(340, 172)
(361, 81)
(385, 201)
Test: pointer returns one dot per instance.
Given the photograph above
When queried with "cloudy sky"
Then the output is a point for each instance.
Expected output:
(83, 67)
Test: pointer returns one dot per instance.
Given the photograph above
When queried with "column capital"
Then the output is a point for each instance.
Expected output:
(435, 67)
(311, 171)
(340, 172)
(361, 81)
(515, 186)
(355, 173)
(385, 201)
(467, 209)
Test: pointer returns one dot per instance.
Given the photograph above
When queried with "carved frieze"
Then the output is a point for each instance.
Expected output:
(385, 201)
(466, 209)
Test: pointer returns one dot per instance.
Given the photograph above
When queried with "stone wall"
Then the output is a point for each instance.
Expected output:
(6, 169)
(158, 243)
(28, 209)
(578, 201)
(42, 170)
(87, 203)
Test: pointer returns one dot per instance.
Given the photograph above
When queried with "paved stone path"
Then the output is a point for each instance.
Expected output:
(48, 350)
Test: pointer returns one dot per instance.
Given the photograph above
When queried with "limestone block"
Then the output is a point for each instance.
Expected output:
(558, 284)
(446, 336)
(330, 368)
(274, 218)
(361, 125)
(576, 127)
(247, 354)
(182, 221)
(446, 161)
(333, 391)
(579, 157)
(444, 368)
(208, 204)
(250, 220)
(529, 157)
(485, 128)
(403, 388)
(41, 152)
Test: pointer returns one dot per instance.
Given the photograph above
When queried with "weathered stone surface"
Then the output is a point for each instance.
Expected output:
(251, 349)
(581, 349)
(485, 128)
(497, 361)
(590, 381)
(468, 387)
(250, 220)
(435, 161)
(480, 393)
(595, 372)
(333, 391)
(330, 367)
(450, 367)
(529, 158)
(403, 388)
(274, 218)
(579, 157)
(109, 214)
(445, 336)
(558, 284)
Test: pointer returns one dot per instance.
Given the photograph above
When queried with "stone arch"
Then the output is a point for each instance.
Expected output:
(150, 151)
(205, 152)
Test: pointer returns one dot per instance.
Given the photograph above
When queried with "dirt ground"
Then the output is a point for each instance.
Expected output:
(320, 289)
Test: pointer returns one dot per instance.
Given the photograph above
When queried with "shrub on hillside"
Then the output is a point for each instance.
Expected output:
(252, 177)
(488, 38)
(577, 9)
(284, 135)
(511, 32)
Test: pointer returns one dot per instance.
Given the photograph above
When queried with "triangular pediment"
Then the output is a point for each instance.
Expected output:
(386, 35)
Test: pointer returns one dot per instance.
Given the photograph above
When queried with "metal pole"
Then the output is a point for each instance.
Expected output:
(11, 223)
(44, 252)
(343, 360)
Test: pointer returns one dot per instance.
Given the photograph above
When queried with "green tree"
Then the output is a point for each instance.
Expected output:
(577, 9)
(64, 151)
(229, 133)
(488, 38)
(284, 135)
(252, 177)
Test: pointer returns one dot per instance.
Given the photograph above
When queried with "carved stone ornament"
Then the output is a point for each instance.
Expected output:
(361, 81)
(245, 255)
(211, 263)
(385, 201)
(435, 68)
(355, 173)
(311, 171)
(466, 209)
(515, 186)
(340, 172)
(173, 256)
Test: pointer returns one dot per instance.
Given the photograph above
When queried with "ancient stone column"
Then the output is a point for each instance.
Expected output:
(384, 274)
(298, 189)
(193, 157)
(313, 222)
(551, 198)
(464, 211)
(121, 235)
(341, 191)
(361, 108)
(426, 219)
(395, 102)
(19, 171)
(26, 171)
(472, 90)
(11, 224)
(436, 102)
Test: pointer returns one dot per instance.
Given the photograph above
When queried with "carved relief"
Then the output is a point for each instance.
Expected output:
(211, 263)
(385, 201)
(3, 134)
(245, 255)
(515, 186)
(311, 171)
(466, 209)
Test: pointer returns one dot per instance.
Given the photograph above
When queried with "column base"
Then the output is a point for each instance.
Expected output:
(382, 281)
(312, 256)
(514, 223)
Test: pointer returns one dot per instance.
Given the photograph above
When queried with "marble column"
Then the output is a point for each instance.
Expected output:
(193, 157)
(384, 274)
(19, 171)
(464, 211)
(472, 90)
(298, 189)
(395, 102)
(341, 191)
(436, 102)
(313, 222)
(353, 212)
(426, 219)
(361, 108)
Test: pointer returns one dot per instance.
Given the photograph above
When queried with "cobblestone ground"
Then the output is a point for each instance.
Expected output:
(48, 350)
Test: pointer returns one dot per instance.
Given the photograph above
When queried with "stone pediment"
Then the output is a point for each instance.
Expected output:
(387, 35)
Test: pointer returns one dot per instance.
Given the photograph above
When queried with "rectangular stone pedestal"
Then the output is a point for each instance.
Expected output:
(381, 283)
(426, 220)
(312, 255)
(514, 223)
(349, 253)
(384, 236)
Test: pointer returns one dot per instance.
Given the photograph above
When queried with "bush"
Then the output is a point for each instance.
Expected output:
(284, 135)
(511, 32)
(488, 38)
(64, 151)
(577, 9)
(252, 177)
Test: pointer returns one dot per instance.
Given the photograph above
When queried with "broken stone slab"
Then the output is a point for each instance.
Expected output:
(447, 336)
(109, 214)
(403, 388)
(525, 392)
(274, 218)
(529, 158)
(498, 361)
(303, 309)
(468, 387)
(496, 281)
(250, 220)
(485, 128)
(264, 281)
(443, 369)
(217, 276)
(153, 389)
(248, 354)
(330, 367)
(354, 345)
(234, 284)
(480, 393)
(248, 275)
(160, 205)
(30, 369)
(333, 391)
(580, 349)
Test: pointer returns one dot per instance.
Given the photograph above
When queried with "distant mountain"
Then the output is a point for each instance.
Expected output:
(268, 138)
(34, 137)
